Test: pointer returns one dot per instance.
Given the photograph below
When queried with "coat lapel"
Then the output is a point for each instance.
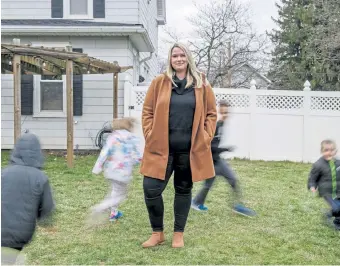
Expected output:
(198, 112)
(167, 85)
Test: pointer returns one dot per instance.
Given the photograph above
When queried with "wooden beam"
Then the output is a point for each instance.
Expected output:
(69, 110)
(48, 69)
(55, 61)
(17, 94)
(24, 50)
(115, 95)
(50, 64)
(120, 70)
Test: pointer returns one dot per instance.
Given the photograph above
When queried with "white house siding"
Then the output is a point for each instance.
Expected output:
(97, 97)
(135, 57)
(25, 9)
(152, 64)
(148, 15)
(122, 11)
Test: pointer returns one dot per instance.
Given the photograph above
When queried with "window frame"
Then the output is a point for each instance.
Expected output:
(37, 112)
(67, 10)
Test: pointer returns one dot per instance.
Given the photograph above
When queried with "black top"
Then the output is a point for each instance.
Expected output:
(181, 116)
(320, 177)
(215, 149)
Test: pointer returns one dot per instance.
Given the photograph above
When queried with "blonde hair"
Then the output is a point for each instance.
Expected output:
(126, 123)
(327, 142)
(193, 76)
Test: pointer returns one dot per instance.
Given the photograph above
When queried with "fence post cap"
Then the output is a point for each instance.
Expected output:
(126, 77)
(307, 86)
(253, 84)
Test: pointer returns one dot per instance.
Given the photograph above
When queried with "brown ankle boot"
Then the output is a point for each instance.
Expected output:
(177, 240)
(157, 238)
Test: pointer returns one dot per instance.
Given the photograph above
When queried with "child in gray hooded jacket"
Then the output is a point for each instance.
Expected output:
(25, 196)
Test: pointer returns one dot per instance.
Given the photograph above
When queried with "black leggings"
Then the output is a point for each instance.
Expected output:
(153, 189)
(222, 168)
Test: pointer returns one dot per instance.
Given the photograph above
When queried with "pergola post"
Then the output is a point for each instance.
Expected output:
(17, 92)
(69, 109)
(115, 95)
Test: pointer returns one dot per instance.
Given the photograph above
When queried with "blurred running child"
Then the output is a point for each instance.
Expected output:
(325, 177)
(117, 159)
(221, 168)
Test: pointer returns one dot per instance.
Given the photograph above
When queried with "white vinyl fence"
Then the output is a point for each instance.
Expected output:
(270, 125)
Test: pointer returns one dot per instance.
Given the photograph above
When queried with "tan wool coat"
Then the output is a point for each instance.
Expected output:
(155, 123)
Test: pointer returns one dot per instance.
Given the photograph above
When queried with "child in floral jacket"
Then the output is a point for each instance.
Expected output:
(117, 159)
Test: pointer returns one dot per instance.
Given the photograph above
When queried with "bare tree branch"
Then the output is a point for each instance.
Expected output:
(215, 25)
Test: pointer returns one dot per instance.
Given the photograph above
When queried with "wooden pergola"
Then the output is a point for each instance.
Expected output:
(19, 59)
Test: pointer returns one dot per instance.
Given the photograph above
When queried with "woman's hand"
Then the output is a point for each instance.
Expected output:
(211, 117)
(147, 113)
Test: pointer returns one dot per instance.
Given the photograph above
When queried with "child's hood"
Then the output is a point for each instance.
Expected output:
(123, 135)
(27, 151)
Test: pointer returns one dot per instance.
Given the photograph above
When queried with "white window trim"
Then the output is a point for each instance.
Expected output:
(67, 14)
(37, 99)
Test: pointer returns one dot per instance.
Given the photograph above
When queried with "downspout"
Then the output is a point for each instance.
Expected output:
(146, 58)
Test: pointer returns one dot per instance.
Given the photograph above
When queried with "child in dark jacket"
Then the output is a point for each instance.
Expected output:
(325, 177)
(25, 197)
(221, 168)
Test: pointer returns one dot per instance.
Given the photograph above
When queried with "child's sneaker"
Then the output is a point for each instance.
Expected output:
(198, 207)
(337, 227)
(115, 216)
(336, 223)
(241, 209)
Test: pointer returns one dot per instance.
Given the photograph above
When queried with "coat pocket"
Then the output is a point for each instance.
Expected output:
(150, 142)
(207, 139)
(147, 137)
(203, 141)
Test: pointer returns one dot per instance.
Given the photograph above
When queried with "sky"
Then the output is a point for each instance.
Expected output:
(177, 11)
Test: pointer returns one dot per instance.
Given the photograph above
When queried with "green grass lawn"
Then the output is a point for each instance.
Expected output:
(288, 229)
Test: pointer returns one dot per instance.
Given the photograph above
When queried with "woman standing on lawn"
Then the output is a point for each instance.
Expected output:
(179, 120)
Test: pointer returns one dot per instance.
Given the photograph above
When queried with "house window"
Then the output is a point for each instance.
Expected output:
(78, 9)
(49, 96)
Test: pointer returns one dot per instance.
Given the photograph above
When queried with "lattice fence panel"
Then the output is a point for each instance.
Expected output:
(279, 102)
(140, 97)
(321, 103)
(235, 100)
